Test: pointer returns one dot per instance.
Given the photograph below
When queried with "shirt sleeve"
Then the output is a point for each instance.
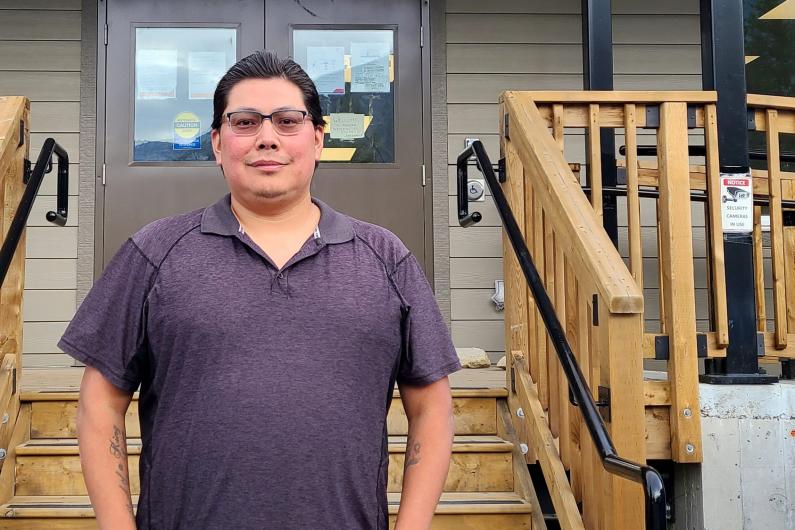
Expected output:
(108, 331)
(427, 352)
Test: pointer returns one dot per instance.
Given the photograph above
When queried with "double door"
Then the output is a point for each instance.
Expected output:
(163, 59)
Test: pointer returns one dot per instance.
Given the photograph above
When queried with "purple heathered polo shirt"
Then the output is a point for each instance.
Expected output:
(264, 393)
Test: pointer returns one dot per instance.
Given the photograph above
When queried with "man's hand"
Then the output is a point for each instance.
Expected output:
(429, 409)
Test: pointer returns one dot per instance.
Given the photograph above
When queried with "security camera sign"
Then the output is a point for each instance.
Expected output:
(737, 203)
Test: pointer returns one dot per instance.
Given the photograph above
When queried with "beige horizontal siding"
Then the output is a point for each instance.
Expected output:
(571, 6)
(40, 59)
(486, 334)
(50, 273)
(469, 88)
(51, 242)
(40, 24)
(47, 56)
(476, 242)
(567, 29)
(50, 305)
(55, 117)
(56, 5)
(474, 273)
(536, 45)
(41, 337)
(42, 86)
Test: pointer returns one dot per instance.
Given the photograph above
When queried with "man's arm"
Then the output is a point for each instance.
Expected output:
(102, 439)
(429, 409)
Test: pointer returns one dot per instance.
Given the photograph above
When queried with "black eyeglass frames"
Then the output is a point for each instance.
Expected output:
(249, 122)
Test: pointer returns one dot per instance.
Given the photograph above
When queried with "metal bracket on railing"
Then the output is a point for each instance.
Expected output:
(751, 120)
(603, 403)
(788, 369)
(27, 173)
(595, 310)
(513, 379)
(505, 126)
(662, 347)
(652, 117)
(691, 117)
(502, 173)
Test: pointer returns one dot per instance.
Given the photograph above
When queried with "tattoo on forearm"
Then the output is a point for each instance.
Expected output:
(118, 448)
(412, 453)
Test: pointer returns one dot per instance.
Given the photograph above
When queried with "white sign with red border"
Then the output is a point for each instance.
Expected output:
(737, 202)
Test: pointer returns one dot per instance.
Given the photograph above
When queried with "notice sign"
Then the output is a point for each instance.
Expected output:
(346, 126)
(737, 203)
(186, 131)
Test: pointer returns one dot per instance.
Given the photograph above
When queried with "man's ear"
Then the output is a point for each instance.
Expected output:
(215, 137)
(318, 142)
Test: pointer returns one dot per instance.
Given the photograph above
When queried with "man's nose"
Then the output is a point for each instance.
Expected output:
(267, 137)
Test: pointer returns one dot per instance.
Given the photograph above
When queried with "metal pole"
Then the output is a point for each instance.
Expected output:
(597, 66)
(723, 70)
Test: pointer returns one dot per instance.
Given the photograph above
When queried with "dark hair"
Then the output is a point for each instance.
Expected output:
(266, 65)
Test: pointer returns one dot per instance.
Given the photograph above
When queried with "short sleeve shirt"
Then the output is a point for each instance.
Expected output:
(264, 392)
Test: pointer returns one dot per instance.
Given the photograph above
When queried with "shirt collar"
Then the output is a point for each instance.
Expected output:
(334, 227)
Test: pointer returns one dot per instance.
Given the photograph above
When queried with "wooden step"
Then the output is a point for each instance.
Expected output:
(478, 463)
(459, 511)
(54, 414)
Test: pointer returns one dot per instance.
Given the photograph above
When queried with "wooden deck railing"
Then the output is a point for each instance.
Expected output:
(775, 116)
(14, 142)
(599, 296)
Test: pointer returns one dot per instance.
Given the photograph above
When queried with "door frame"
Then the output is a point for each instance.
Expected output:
(91, 179)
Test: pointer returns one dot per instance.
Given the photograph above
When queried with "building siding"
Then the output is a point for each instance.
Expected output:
(40, 59)
(537, 45)
(490, 47)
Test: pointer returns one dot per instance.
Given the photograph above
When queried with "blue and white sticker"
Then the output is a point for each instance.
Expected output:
(187, 127)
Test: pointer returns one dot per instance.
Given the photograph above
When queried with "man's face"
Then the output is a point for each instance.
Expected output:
(267, 165)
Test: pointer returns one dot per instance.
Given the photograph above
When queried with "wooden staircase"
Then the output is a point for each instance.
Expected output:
(488, 485)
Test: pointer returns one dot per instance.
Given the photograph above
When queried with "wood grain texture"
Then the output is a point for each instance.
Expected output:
(588, 248)
(548, 456)
(717, 263)
(776, 228)
(633, 199)
(677, 282)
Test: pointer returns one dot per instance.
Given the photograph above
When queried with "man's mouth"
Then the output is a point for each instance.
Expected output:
(266, 163)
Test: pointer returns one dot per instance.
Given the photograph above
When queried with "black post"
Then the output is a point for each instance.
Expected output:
(597, 66)
(723, 70)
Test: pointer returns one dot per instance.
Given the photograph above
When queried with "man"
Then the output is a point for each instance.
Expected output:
(267, 332)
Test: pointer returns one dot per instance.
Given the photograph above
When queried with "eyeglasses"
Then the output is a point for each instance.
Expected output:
(249, 122)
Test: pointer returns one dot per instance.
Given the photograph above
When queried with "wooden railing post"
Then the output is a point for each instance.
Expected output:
(14, 150)
(621, 337)
(676, 263)
(516, 293)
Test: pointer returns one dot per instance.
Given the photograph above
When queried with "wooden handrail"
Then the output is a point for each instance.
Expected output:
(593, 254)
(621, 96)
(771, 102)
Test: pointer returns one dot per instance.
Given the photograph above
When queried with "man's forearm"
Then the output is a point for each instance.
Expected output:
(427, 461)
(103, 456)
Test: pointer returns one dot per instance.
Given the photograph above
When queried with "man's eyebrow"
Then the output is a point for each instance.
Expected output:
(252, 109)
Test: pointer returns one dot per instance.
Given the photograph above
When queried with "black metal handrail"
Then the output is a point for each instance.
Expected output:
(647, 476)
(700, 150)
(32, 185)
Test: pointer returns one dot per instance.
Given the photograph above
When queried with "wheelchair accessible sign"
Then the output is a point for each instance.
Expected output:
(737, 203)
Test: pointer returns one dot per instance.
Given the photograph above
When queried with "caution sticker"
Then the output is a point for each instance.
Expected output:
(737, 202)
(186, 131)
